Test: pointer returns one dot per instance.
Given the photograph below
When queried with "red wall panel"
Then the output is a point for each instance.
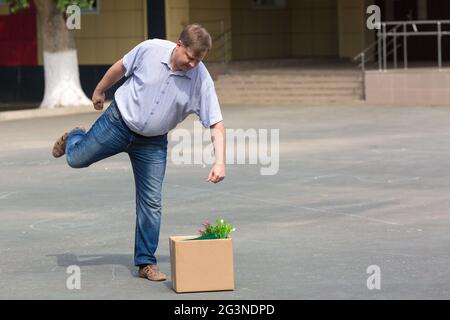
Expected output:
(18, 38)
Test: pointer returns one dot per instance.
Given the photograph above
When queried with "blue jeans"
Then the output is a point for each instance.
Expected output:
(108, 136)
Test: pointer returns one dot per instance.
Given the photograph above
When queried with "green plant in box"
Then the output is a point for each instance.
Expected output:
(220, 231)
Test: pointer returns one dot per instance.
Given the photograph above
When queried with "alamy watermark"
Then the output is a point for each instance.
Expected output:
(74, 280)
(243, 146)
(374, 20)
(374, 280)
(73, 21)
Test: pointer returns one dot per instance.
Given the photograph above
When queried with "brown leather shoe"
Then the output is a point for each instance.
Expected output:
(59, 148)
(151, 272)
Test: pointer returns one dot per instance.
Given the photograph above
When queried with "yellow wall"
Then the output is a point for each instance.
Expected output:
(314, 28)
(106, 37)
(215, 16)
(259, 33)
(177, 15)
(208, 13)
(353, 33)
(306, 28)
(369, 35)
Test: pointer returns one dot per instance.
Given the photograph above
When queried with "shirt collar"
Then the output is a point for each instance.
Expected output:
(166, 60)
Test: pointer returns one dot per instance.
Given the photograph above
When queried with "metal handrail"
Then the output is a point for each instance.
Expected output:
(383, 34)
(415, 22)
(383, 43)
(371, 46)
(363, 54)
(366, 60)
(364, 51)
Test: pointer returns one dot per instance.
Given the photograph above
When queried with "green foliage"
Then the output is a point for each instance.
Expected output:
(17, 5)
(220, 231)
(63, 4)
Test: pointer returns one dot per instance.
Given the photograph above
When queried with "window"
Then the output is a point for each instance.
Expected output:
(270, 4)
(94, 10)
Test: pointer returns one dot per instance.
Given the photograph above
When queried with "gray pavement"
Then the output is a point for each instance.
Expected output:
(357, 186)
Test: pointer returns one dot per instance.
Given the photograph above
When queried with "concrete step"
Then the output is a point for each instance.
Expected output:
(290, 102)
(284, 94)
(224, 99)
(283, 86)
(290, 81)
(313, 73)
(289, 93)
(289, 86)
(298, 71)
(295, 82)
(309, 77)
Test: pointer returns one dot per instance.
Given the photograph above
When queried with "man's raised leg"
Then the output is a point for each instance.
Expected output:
(107, 137)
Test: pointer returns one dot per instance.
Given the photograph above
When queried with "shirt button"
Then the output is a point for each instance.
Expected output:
(163, 92)
(151, 112)
(157, 102)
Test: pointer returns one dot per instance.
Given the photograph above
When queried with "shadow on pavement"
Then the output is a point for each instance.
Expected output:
(126, 260)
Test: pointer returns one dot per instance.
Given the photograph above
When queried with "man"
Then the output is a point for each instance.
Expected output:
(166, 82)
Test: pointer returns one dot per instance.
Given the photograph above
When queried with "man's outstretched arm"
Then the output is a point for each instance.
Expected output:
(217, 172)
(114, 74)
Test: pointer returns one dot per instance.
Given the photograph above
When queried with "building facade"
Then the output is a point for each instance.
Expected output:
(242, 30)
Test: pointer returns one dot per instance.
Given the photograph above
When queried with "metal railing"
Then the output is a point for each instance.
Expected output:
(387, 36)
(221, 37)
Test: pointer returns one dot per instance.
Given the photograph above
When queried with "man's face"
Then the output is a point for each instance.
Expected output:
(185, 59)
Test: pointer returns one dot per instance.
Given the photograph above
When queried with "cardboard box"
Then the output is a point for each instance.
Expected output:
(201, 265)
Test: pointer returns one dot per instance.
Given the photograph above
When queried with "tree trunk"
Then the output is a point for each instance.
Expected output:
(62, 79)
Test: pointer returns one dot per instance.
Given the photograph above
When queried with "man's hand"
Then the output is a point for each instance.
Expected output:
(98, 99)
(114, 74)
(217, 173)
